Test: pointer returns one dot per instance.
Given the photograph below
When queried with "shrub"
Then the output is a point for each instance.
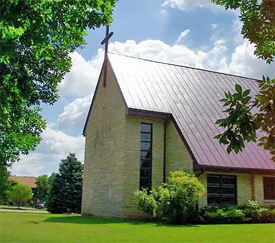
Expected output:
(252, 213)
(172, 202)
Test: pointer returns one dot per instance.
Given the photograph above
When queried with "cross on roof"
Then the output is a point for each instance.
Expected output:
(106, 42)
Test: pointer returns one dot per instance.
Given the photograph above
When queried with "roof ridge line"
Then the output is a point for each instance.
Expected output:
(178, 65)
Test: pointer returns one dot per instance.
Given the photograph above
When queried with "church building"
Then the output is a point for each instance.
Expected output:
(149, 118)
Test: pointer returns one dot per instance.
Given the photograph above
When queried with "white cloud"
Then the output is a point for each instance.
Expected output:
(45, 159)
(191, 4)
(160, 51)
(74, 114)
(82, 78)
(182, 35)
(244, 62)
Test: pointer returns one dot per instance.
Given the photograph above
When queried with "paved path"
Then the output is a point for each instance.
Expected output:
(22, 211)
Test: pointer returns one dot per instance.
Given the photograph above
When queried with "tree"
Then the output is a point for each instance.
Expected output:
(66, 190)
(243, 122)
(42, 188)
(20, 194)
(37, 37)
(174, 201)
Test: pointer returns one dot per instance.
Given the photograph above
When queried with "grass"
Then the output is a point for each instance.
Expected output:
(18, 227)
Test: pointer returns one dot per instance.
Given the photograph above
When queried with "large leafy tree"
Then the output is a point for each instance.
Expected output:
(42, 187)
(243, 122)
(36, 39)
(20, 194)
(66, 190)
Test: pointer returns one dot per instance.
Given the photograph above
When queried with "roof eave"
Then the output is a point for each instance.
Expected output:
(207, 168)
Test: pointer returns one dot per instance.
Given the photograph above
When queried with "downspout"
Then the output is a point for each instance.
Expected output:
(164, 150)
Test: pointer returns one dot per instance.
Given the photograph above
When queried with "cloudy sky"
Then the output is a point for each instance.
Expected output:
(196, 33)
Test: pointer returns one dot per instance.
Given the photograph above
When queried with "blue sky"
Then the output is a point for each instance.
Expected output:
(193, 33)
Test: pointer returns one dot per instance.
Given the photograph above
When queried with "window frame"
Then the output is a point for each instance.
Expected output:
(221, 186)
(145, 159)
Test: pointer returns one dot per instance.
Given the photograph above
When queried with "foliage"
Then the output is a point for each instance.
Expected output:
(224, 216)
(42, 188)
(258, 19)
(247, 113)
(66, 189)
(252, 212)
(20, 194)
(147, 202)
(37, 37)
(173, 201)
(5, 184)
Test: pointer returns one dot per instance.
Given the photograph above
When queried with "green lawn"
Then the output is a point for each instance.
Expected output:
(23, 227)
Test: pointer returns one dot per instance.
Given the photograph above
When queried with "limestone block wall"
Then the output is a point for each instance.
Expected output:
(178, 157)
(104, 153)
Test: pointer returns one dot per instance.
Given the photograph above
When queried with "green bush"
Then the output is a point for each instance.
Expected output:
(250, 213)
(174, 201)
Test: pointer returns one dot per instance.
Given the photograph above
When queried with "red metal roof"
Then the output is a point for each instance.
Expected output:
(192, 97)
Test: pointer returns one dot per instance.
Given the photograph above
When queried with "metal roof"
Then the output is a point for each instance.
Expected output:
(26, 180)
(192, 96)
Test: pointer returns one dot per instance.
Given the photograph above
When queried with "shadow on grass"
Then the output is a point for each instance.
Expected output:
(78, 219)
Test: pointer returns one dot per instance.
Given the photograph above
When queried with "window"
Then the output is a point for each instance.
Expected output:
(221, 190)
(269, 188)
(146, 156)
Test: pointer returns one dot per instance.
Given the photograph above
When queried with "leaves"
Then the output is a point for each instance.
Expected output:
(241, 125)
(36, 39)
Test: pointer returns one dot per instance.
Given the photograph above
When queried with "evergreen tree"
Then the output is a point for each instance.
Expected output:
(66, 190)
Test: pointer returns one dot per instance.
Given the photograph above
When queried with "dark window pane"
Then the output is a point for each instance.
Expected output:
(145, 163)
(228, 180)
(213, 189)
(213, 201)
(144, 183)
(145, 173)
(213, 179)
(145, 137)
(145, 154)
(228, 190)
(145, 127)
(145, 145)
(269, 188)
(221, 190)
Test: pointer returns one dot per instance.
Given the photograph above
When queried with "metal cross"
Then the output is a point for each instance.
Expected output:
(106, 41)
